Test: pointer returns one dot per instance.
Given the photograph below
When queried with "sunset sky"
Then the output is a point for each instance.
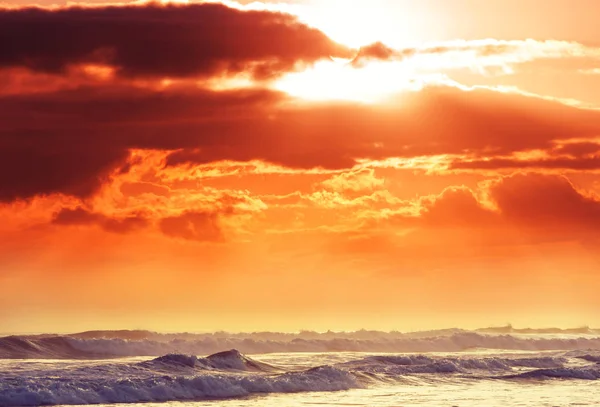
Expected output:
(316, 164)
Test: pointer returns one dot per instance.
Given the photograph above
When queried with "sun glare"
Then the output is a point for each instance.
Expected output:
(360, 22)
(355, 23)
(335, 80)
(372, 83)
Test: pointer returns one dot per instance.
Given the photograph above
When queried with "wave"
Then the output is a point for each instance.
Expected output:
(419, 364)
(228, 360)
(590, 358)
(233, 359)
(167, 388)
(231, 374)
(59, 347)
(585, 330)
(134, 335)
(560, 366)
(69, 347)
(581, 373)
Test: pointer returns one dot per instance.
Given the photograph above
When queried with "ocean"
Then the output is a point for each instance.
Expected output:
(442, 368)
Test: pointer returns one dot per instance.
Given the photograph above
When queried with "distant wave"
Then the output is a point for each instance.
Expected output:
(231, 374)
(55, 347)
(509, 329)
(82, 346)
(329, 335)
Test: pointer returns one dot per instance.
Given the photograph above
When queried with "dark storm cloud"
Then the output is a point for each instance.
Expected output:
(160, 40)
(37, 163)
(71, 142)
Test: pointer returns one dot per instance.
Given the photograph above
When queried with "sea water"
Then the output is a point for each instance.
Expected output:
(75, 372)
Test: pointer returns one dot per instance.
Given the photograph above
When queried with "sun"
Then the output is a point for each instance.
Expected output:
(356, 23)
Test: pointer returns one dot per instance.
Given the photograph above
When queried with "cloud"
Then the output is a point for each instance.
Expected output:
(532, 203)
(198, 214)
(197, 226)
(501, 219)
(576, 155)
(31, 165)
(546, 202)
(475, 53)
(73, 141)
(456, 207)
(586, 163)
(153, 40)
(433, 121)
(579, 149)
(353, 181)
(139, 188)
(81, 216)
(377, 50)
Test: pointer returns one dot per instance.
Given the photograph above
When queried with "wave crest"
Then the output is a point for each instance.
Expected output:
(581, 373)
(232, 360)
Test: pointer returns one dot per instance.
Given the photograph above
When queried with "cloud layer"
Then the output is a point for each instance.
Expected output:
(80, 138)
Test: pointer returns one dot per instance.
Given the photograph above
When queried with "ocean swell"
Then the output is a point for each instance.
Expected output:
(87, 346)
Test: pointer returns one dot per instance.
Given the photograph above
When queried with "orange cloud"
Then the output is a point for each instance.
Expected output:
(546, 202)
(198, 226)
(456, 207)
(563, 155)
(474, 54)
(542, 207)
(354, 181)
(81, 216)
(91, 131)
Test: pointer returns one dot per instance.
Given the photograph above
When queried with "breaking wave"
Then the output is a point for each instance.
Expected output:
(227, 360)
(106, 344)
(231, 374)
(581, 373)
(223, 375)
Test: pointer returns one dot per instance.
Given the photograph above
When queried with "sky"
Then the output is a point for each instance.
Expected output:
(317, 164)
